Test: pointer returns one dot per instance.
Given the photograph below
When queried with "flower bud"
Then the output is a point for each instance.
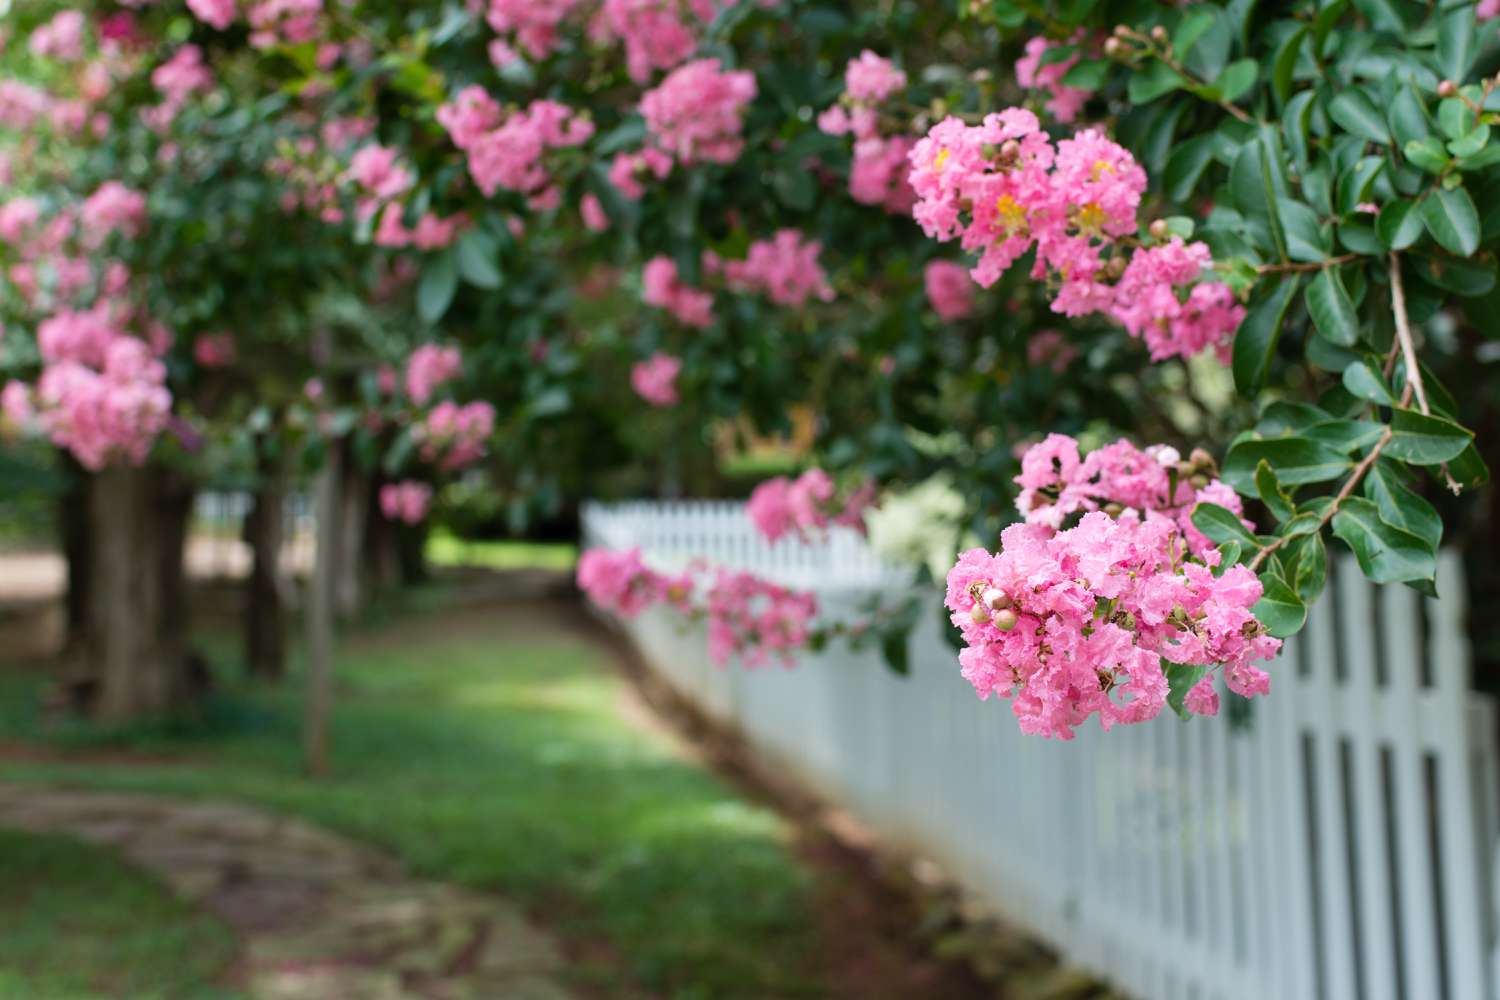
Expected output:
(1199, 481)
(1122, 31)
(1113, 509)
(1115, 268)
(1158, 229)
(1159, 34)
(996, 599)
(1114, 48)
(979, 614)
(1447, 89)
(1201, 460)
(1005, 620)
(1009, 150)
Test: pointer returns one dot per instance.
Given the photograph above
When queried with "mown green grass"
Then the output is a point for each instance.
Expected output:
(492, 750)
(444, 549)
(76, 923)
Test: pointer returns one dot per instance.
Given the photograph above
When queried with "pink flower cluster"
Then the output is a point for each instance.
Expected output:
(215, 13)
(530, 24)
(1073, 622)
(508, 151)
(102, 393)
(696, 115)
(628, 170)
(1057, 483)
(658, 34)
(747, 616)
(177, 79)
(453, 436)
(806, 505)
(877, 175)
(406, 501)
(60, 38)
(377, 171)
(784, 269)
(112, 208)
(428, 368)
(655, 380)
(950, 290)
(1003, 189)
(432, 231)
(662, 287)
(289, 22)
(1064, 102)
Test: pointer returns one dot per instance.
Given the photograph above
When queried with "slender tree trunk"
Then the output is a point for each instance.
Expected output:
(382, 561)
(265, 597)
(73, 531)
(349, 537)
(135, 654)
(320, 612)
(411, 553)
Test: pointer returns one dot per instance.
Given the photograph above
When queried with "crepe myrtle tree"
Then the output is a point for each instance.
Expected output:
(157, 296)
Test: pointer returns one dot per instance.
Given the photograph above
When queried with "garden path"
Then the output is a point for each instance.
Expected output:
(317, 915)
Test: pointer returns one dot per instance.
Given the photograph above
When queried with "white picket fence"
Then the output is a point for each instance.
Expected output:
(1338, 845)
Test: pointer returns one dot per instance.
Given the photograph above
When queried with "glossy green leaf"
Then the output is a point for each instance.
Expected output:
(1428, 153)
(1457, 34)
(1399, 224)
(476, 253)
(1255, 342)
(1307, 239)
(1297, 461)
(1271, 494)
(1354, 112)
(1279, 609)
(1425, 439)
(1386, 553)
(1364, 380)
(1236, 80)
(438, 285)
(1221, 525)
(1331, 309)
(1154, 80)
(1284, 64)
(1452, 220)
(1182, 678)
(1312, 567)
(1399, 506)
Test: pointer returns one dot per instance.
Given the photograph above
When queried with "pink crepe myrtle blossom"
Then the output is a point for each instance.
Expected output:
(1002, 189)
(214, 350)
(617, 581)
(111, 208)
(1064, 102)
(806, 506)
(453, 436)
(509, 151)
(406, 501)
(627, 170)
(375, 169)
(593, 214)
(218, 14)
(655, 379)
(529, 24)
(61, 38)
(433, 232)
(877, 172)
(950, 290)
(657, 34)
(430, 367)
(284, 22)
(18, 217)
(696, 114)
(663, 288)
(1073, 622)
(785, 269)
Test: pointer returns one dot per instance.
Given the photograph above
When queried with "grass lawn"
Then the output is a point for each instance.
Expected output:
(78, 924)
(444, 549)
(491, 748)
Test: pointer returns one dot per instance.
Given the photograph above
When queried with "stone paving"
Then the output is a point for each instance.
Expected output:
(318, 916)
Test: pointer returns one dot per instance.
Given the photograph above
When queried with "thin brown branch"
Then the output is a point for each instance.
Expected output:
(1403, 333)
(1319, 265)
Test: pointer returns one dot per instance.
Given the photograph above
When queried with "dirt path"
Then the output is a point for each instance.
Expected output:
(317, 915)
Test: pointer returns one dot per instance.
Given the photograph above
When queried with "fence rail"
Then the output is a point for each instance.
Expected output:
(1337, 844)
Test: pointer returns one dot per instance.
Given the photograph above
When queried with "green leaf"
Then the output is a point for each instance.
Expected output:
(1236, 80)
(1451, 219)
(896, 651)
(1181, 678)
(1408, 117)
(1364, 380)
(1296, 118)
(1297, 461)
(1279, 609)
(1454, 118)
(436, 289)
(1399, 224)
(1186, 165)
(1191, 28)
(1153, 81)
(1467, 276)
(1399, 506)
(1354, 183)
(1331, 308)
(1346, 435)
(1428, 153)
(1423, 439)
(1271, 494)
(1312, 567)
(1222, 525)
(1470, 146)
(1306, 238)
(476, 259)
(1088, 74)
(1355, 113)
(1255, 342)
(1468, 469)
(1456, 36)
(1285, 63)
(1386, 554)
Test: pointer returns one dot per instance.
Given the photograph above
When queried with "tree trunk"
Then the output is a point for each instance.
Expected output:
(136, 663)
(382, 560)
(321, 587)
(411, 551)
(265, 596)
(73, 531)
(349, 536)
